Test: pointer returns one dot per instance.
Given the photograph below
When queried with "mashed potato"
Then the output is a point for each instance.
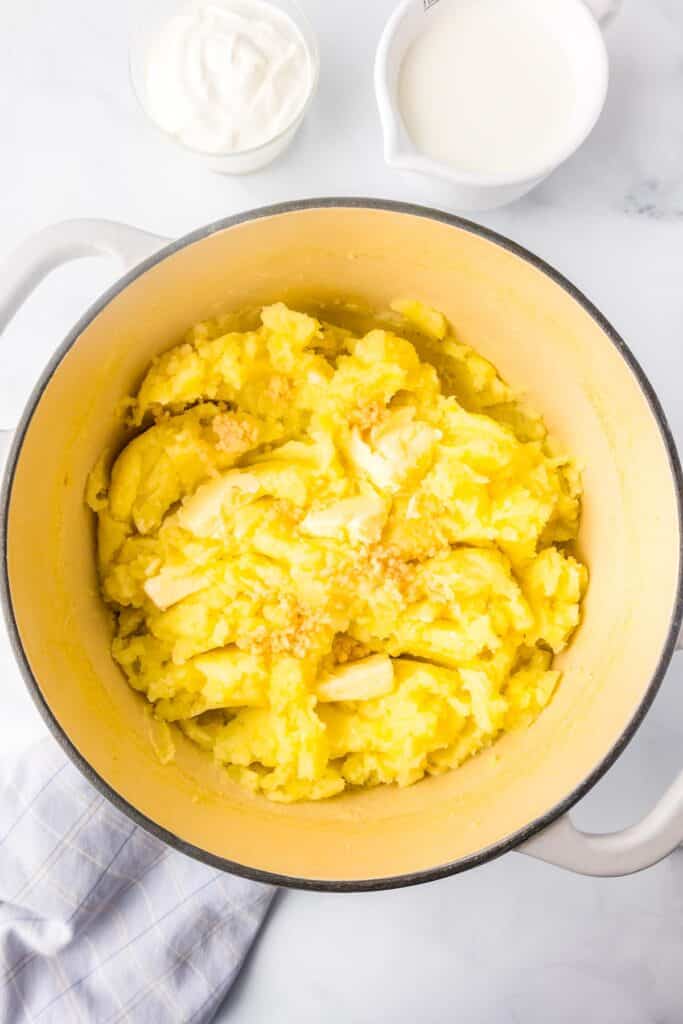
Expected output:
(336, 560)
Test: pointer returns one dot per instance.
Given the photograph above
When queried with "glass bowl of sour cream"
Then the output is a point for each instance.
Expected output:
(228, 80)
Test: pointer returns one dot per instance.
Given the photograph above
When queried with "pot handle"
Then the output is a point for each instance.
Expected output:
(60, 243)
(614, 853)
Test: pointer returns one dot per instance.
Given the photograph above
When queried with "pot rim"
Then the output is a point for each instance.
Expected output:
(256, 874)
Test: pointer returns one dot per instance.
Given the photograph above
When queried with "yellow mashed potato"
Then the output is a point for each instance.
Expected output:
(337, 560)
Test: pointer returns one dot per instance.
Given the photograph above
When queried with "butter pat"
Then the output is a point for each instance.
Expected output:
(361, 519)
(359, 680)
(166, 589)
(201, 513)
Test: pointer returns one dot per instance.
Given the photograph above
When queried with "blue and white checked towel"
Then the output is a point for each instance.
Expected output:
(99, 921)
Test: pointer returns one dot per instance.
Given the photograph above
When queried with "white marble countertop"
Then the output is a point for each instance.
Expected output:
(515, 941)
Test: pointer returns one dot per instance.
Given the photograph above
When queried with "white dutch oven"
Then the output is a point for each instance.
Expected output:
(549, 342)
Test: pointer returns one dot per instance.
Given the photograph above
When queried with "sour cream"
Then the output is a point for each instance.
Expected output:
(226, 76)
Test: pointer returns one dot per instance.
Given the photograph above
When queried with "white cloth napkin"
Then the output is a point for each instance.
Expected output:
(99, 921)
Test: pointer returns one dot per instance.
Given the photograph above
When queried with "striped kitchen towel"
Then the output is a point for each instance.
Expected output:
(101, 922)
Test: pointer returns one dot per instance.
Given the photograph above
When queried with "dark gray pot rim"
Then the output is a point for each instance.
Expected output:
(324, 885)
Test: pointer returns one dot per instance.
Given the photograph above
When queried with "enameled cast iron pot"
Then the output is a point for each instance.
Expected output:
(548, 341)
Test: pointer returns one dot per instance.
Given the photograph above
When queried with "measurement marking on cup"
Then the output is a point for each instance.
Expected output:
(429, 3)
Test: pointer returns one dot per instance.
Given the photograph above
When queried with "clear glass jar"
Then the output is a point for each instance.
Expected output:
(151, 16)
